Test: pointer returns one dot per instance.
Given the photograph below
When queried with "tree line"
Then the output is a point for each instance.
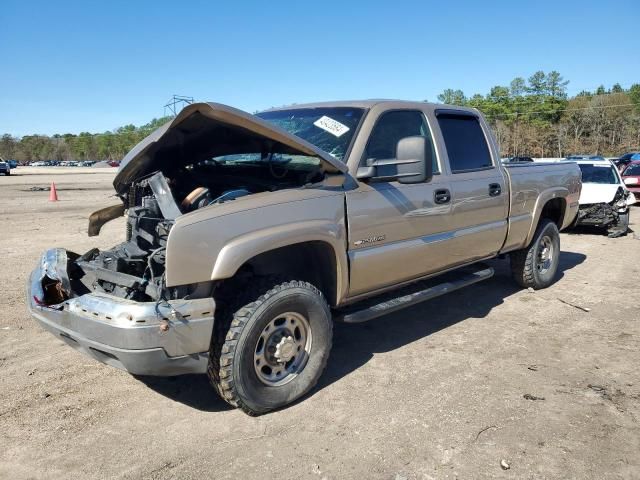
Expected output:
(533, 117)
(111, 145)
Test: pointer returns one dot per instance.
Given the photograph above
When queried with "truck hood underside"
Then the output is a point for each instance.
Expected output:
(206, 130)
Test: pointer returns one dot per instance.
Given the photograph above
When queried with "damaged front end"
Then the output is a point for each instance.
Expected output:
(613, 215)
(143, 338)
(134, 269)
(114, 304)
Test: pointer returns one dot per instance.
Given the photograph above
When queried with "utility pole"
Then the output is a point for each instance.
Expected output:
(177, 103)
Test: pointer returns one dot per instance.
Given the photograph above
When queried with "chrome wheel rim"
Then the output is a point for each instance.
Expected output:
(546, 253)
(283, 348)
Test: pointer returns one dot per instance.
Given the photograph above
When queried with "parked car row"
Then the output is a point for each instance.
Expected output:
(57, 163)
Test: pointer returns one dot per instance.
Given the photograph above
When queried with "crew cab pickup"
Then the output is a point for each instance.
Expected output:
(248, 235)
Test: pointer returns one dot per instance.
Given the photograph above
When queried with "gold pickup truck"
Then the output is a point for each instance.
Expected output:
(248, 235)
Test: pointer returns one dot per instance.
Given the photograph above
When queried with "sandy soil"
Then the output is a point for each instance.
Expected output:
(435, 391)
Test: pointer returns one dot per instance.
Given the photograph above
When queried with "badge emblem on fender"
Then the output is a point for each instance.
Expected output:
(368, 241)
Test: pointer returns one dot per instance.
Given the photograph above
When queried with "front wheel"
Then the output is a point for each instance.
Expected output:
(271, 350)
(536, 266)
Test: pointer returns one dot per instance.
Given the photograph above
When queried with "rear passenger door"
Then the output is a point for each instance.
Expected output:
(479, 188)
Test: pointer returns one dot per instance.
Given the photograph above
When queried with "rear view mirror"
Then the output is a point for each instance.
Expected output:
(412, 162)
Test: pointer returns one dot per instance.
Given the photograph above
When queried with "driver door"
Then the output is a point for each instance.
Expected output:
(397, 232)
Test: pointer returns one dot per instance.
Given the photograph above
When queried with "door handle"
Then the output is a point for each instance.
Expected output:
(494, 189)
(442, 196)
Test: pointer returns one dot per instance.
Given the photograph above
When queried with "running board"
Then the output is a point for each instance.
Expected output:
(413, 294)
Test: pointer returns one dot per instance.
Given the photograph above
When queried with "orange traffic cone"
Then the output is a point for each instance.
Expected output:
(53, 195)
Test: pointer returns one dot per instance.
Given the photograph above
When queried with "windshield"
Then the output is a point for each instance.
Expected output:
(330, 129)
(604, 174)
(633, 169)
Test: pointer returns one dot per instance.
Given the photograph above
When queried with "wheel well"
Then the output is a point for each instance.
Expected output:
(554, 211)
(313, 262)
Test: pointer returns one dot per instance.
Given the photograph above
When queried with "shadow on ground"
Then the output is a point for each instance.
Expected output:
(355, 344)
(192, 390)
(593, 230)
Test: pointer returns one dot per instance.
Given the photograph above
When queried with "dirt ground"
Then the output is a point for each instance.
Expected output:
(434, 391)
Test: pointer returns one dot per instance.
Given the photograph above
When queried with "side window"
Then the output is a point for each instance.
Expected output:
(390, 128)
(465, 141)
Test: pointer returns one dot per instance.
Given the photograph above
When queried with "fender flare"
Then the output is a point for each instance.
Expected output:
(243, 248)
(541, 201)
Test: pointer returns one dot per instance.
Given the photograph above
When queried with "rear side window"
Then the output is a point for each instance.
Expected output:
(465, 142)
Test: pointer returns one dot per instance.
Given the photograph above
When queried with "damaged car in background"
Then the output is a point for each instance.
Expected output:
(605, 199)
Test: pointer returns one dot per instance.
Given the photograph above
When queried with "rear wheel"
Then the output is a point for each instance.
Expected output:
(270, 351)
(536, 266)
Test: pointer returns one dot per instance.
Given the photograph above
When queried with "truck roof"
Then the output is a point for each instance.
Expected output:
(369, 103)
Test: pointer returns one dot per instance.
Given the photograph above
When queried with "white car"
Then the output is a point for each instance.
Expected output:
(605, 199)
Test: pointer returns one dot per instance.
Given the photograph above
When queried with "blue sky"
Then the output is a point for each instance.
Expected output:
(70, 66)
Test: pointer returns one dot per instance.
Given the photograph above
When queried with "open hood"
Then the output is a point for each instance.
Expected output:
(206, 130)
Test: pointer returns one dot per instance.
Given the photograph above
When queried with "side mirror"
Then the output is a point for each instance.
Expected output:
(630, 181)
(413, 163)
(412, 152)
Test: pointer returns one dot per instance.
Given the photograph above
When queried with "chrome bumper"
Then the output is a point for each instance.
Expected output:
(122, 333)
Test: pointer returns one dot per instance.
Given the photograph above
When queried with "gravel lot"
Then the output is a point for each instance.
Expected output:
(435, 391)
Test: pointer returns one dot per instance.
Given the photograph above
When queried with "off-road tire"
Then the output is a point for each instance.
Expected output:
(240, 319)
(524, 262)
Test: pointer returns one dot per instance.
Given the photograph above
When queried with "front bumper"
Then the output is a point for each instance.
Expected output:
(122, 333)
(598, 214)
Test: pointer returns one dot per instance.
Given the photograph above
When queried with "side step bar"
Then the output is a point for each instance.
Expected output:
(413, 294)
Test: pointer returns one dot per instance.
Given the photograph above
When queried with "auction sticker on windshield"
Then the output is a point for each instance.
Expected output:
(332, 126)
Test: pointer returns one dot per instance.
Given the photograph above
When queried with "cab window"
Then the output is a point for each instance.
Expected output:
(465, 141)
(390, 128)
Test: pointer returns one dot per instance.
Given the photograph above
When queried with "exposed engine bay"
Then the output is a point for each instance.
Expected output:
(208, 155)
(135, 268)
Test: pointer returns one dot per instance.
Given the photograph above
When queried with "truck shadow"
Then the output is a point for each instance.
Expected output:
(192, 390)
(355, 344)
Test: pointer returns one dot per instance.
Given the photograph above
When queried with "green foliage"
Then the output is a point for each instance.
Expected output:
(535, 116)
(84, 146)
(634, 95)
(452, 97)
(529, 117)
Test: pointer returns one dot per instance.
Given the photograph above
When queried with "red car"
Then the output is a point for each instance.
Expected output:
(631, 178)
